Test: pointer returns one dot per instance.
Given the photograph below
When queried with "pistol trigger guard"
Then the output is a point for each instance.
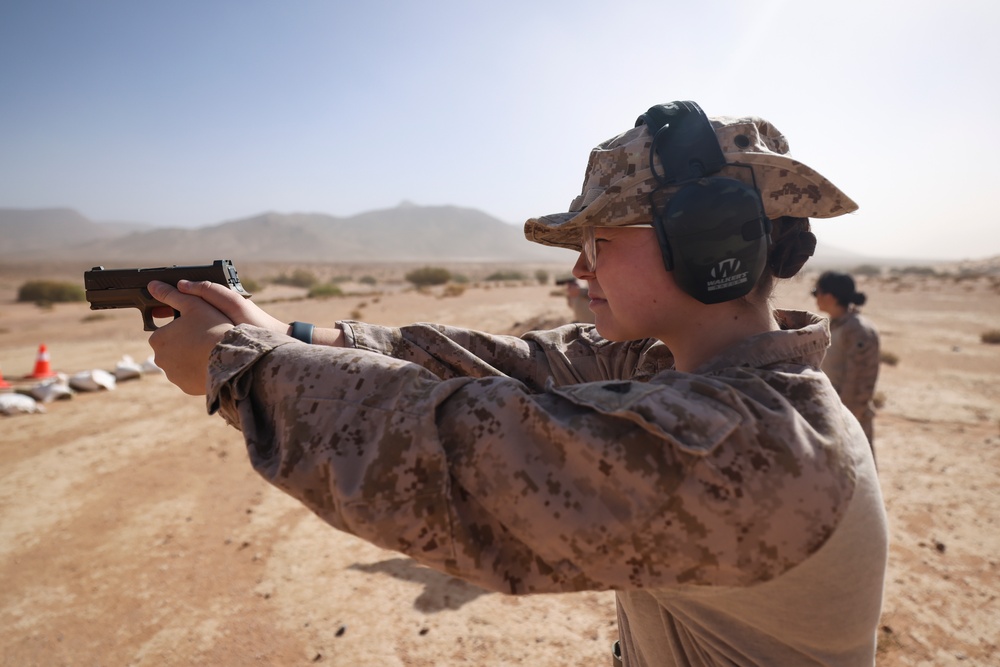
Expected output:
(147, 321)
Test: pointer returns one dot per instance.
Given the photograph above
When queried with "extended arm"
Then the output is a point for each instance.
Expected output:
(593, 486)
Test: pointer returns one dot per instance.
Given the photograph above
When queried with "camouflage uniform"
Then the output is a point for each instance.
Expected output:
(852, 364)
(734, 510)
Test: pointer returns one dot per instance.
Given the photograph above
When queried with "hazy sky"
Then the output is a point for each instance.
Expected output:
(191, 113)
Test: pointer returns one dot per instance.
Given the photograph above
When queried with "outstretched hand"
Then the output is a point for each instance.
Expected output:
(207, 311)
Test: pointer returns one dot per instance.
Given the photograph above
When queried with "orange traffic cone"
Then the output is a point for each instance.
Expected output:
(42, 367)
(3, 384)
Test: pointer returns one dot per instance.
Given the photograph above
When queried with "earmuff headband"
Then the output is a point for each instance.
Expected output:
(713, 233)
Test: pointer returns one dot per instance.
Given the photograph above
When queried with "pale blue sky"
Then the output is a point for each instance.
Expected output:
(190, 113)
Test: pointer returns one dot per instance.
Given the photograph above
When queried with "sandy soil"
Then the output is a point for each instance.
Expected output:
(133, 531)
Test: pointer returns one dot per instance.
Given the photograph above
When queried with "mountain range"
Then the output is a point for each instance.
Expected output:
(406, 233)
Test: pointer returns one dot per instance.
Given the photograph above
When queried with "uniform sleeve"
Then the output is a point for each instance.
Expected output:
(566, 355)
(603, 485)
(860, 366)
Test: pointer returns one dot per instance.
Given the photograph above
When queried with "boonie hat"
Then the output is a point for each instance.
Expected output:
(618, 181)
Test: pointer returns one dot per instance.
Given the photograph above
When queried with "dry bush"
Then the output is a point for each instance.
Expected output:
(250, 285)
(991, 337)
(298, 278)
(868, 270)
(428, 275)
(49, 292)
(506, 275)
(325, 291)
(888, 358)
(453, 290)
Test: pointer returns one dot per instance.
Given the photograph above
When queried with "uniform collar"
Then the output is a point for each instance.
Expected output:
(802, 340)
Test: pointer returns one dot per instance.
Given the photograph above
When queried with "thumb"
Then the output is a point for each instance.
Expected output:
(166, 294)
(223, 299)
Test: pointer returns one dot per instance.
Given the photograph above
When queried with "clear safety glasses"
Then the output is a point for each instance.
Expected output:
(589, 243)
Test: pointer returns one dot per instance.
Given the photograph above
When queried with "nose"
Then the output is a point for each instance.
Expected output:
(581, 270)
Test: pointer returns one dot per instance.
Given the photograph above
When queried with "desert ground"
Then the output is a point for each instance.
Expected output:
(134, 532)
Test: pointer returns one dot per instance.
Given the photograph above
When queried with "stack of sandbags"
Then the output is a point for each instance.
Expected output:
(52, 389)
(127, 369)
(17, 404)
(95, 380)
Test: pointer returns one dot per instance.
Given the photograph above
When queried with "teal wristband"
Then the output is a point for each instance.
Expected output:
(302, 331)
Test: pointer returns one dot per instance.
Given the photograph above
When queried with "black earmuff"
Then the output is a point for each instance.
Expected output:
(712, 231)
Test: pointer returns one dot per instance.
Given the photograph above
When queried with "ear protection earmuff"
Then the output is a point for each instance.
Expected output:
(713, 232)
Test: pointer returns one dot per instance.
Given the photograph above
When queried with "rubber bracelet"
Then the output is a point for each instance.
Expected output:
(302, 331)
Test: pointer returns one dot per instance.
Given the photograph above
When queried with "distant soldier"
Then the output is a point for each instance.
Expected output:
(852, 362)
(578, 299)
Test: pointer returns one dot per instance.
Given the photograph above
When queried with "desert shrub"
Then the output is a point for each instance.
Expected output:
(888, 358)
(50, 291)
(542, 276)
(428, 275)
(867, 270)
(356, 314)
(916, 271)
(506, 275)
(459, 278)
(367, 280)
(453, 290)
(250, 285)
(298, 278)
(324, 291)
(878, 400)
(991, 337)
(99, 315)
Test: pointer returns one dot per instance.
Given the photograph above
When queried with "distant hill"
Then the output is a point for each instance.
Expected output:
(404, 234)
(27, 232)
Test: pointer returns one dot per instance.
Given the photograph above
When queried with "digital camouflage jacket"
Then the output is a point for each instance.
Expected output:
(560, 462)
(852, 364)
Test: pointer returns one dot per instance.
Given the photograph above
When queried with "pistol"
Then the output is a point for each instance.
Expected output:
(126, 288)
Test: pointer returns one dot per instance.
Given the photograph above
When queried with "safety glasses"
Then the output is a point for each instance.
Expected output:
(589, 243)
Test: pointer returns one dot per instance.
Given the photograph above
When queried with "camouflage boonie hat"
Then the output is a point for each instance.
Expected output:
(618, 181)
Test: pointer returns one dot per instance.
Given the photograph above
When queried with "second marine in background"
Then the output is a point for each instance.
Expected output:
(852, 362)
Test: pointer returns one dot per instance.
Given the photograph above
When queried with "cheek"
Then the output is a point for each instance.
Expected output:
(644, 296)
(635, 279)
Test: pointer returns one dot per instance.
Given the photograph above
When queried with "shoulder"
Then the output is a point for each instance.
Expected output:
(858, 326)
(760, 456)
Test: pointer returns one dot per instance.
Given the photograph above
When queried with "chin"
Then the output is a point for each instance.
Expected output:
(614, 334)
